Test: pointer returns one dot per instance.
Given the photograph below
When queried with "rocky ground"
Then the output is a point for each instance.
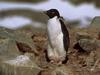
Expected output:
(22, 52)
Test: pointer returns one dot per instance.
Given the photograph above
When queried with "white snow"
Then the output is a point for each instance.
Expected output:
(19, 60)
(14, 22)
(67, 10)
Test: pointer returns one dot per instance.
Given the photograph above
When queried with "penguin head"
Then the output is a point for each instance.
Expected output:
(52, 13)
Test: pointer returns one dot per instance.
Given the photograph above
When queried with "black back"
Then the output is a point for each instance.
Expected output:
(66, 39)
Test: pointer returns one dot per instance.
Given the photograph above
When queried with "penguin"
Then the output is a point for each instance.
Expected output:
(58, 37)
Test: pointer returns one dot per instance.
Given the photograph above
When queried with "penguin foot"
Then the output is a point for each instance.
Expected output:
(52, 61)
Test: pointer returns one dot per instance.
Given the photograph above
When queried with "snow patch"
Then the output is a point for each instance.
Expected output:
(14, 21)
(19, 60)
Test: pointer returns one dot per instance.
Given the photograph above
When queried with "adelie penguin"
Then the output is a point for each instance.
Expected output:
(58, 38)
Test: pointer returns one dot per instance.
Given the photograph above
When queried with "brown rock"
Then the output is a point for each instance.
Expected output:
(88, 45)
(82, 35)
(21, 65)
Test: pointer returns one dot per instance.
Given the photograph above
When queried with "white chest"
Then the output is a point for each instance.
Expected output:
(54, 27)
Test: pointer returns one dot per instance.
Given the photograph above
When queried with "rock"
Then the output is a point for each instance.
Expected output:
(8, 48)
(82, 35)
(60, 70)
(21, 65)
(64, 70)
(85, 42)
(11, 60)
(78, 47)
(26, 40)
(8, 45)
(98, 43)
(14, 63)
(23, 47)
(88, 45)
(96, 22)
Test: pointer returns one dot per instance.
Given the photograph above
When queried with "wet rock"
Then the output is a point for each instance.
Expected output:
(8, 43)
(82, 35)
(96, 23)
(11, 60)
(88, 45)
(85, 42)
(24, 47)
(25, 40)
(21, 65)
(8, 48)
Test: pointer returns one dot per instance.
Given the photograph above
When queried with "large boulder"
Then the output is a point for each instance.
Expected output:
(8, 48)
(21, 65)
(83, 35)
(10, 38)
(96, 22)
(86, 42)
(12, 59)
(88, 45)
